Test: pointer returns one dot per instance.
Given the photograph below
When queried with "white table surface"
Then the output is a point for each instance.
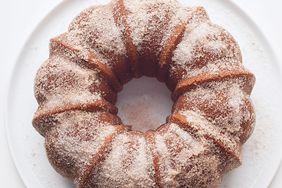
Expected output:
(18, 18)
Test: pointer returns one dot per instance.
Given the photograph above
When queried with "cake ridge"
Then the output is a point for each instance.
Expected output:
(120, 16)
(99, 156)
(102, 37)
(68, 140)
(231, 154)
(88, 60)
(175, 38)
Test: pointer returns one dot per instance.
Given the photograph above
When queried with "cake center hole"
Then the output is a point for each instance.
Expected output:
(144, 104)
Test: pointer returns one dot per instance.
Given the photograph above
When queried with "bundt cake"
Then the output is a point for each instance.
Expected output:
(108, 45)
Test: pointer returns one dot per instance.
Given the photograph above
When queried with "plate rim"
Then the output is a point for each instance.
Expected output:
(23, 177)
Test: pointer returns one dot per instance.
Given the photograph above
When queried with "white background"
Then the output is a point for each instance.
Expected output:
(18, 18)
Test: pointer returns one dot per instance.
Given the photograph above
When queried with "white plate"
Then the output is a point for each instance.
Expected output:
(261, 154)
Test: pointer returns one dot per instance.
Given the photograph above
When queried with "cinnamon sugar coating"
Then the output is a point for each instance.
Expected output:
(106, 46)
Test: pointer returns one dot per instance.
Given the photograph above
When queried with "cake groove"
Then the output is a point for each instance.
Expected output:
(156, 159)
(100, 105)
(188, 84)
(169, 47)
(120, 16)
